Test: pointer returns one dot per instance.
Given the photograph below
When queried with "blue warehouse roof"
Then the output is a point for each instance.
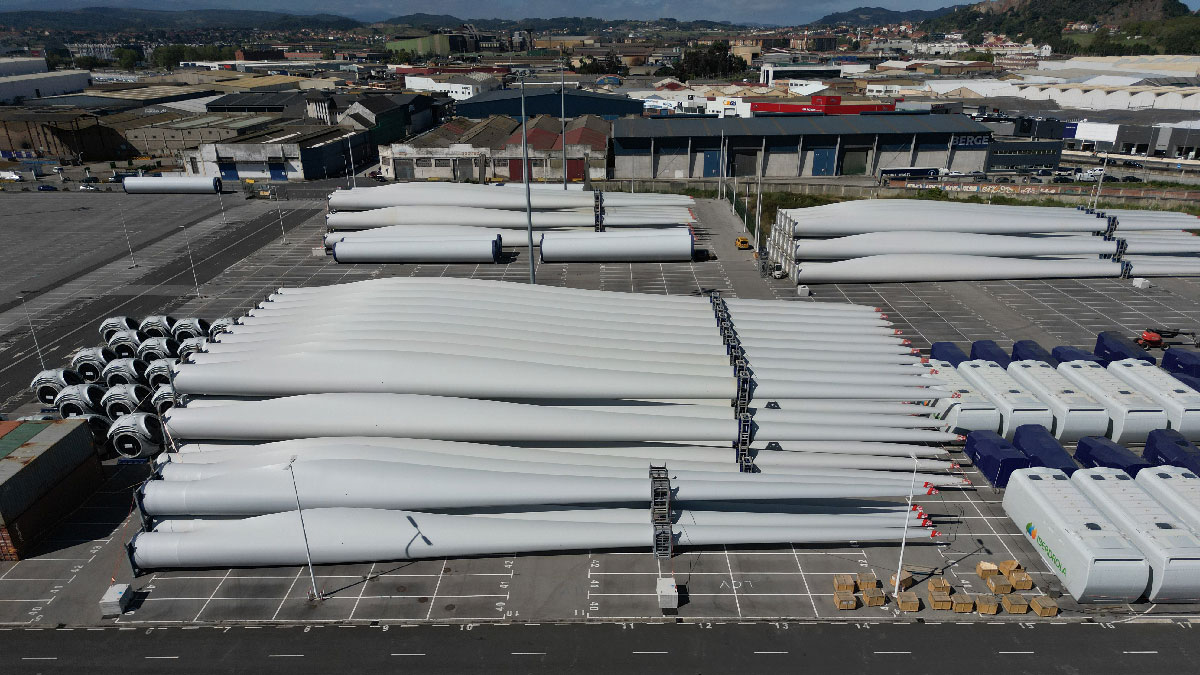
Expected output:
(807, 125)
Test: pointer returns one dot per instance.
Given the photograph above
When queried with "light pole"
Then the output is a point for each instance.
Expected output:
(191, 260)
(316, 594)
(904, 535)
(562, 71)
(527, 174)
(29, 317)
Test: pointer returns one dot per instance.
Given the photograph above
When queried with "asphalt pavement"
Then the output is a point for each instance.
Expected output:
(1037, 646)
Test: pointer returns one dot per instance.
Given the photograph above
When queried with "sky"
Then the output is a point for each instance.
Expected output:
(770, 12)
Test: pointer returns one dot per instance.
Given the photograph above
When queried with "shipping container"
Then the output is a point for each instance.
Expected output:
(1180, 402)
(967, 410)
(1065, 354)
(1036, 443)
(19, 537)
(1079, 544)
(988, 350)
(1113, 346)
(1182, 361)
(35, 457)
(1030, 350)
(1076, 414)
(1175, 488)
(1016, 405)
(1170, 448)
(1171, 548)
(994, 456)
(1132, 414)
(947, 351)
(1095, 451)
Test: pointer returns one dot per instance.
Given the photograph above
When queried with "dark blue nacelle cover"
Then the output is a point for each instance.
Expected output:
(1039, 445)
(1112, 346)
(947, 351)
(1030, 350)
(1167, 447)
(1066, 353)
(1095, 451)
(995, 457)
(988, 350)
(1182, 361)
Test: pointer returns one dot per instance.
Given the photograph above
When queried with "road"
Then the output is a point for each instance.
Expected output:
(1039, 646)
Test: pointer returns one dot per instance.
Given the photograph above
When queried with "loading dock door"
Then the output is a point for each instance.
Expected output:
(575, 169)
(278, 171)
(514, 170)
(228, 170)
(824, 161)
(712, 163)
(854, 163)
(745, 162)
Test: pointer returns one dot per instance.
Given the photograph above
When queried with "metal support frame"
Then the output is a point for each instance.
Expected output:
(660, 511)
(745, 383)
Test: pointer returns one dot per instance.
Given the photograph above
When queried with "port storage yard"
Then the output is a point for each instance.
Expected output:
(197, 259)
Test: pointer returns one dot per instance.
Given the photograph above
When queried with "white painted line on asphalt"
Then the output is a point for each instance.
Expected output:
(1139, 652)
(893, 652)
(411, 654)
(770, 652)
(281, 656)
(1014, 652)
(650, 652)
(528, 653)
(39, 658)
(160, 657)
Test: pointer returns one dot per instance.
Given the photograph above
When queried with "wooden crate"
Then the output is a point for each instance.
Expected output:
(940, 600)
(1008, 566)
(1043, 605)
(843, 583)
(938, 584)
(1014, 603)
(843, 600)
(906, 580)
(1020, 580)
(986, 603)
(962, 603)
(873, 597)
(986, 569)
(998, 584)
(867, 580)
(908, 601)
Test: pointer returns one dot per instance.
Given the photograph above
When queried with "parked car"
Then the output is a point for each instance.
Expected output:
(89, 179)
(47, 188)
(1062, 179)
(1111, 179)
(1033, 179)
(1132, 164)
(1131, 179)
(1003, 179)
(88, 187)
(1045, 172)
(378, 177)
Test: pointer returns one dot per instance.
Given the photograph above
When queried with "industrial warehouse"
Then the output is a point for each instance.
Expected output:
(791, 146)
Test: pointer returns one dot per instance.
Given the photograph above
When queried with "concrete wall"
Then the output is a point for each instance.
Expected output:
(43, 84)
(22, 66)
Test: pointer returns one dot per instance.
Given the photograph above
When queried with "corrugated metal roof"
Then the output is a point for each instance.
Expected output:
(827, 125)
